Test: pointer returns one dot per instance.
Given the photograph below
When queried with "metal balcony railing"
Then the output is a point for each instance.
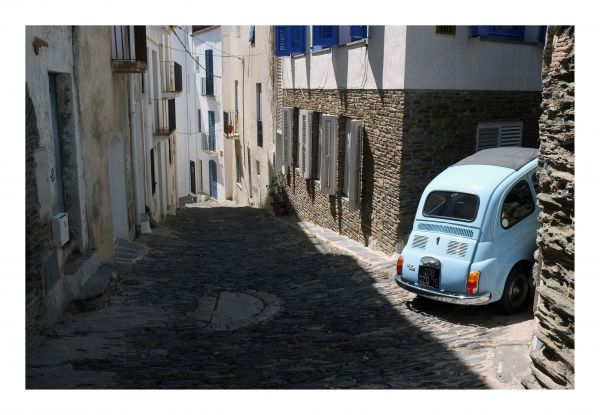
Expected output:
(164, 116)
(128, 44)
(171, 77)
(209, 143)
(208, 89)
(231, 123)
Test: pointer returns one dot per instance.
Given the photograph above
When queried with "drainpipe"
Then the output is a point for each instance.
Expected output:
(134, 154)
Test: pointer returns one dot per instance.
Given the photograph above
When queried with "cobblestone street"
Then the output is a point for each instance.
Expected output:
(231, 297)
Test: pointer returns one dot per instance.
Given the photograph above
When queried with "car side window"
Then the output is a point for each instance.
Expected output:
(536, 183)
(518, 205)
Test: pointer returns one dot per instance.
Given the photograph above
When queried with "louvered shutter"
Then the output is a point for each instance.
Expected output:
(511, 134)
(328, 153)
(307, 158)
(290, 39)
(287, 136)
(302, 129)
(325, 35)
(504, 134)
(354, 188)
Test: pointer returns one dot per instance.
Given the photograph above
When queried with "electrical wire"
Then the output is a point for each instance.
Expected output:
(192, 56)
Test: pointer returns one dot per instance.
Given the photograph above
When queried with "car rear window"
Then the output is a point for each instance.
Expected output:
(451, 205)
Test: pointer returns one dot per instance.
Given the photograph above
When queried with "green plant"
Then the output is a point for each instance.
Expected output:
(277, 188)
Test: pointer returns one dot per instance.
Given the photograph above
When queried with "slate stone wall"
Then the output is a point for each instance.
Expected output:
(553, 351)
(410, 137)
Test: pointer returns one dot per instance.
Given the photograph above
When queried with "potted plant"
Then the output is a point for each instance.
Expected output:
(277, 194)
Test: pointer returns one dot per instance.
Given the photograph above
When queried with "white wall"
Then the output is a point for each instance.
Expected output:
(210, 39)
(436, 61)
(378, 65)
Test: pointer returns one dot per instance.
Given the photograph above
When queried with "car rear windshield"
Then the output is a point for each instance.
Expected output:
(451, 205)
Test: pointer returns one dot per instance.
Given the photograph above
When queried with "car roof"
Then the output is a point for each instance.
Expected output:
(509, 157)
(476, 179)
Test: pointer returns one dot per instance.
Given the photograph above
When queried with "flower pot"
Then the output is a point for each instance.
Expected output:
(279, 209)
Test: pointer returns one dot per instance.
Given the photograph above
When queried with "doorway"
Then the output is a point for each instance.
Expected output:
(118, 193)
(192, 177)
(212, 178)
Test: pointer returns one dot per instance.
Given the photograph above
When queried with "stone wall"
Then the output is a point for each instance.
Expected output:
(37, 231)
(410, 137)
(553, 350)
(440, 128)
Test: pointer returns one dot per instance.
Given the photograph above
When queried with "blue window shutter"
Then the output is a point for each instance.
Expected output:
(325, 35)
(282, 40)
(297, 39)
(509, 32)
(208, 61)
(358, 32)
(211, 125)
(251, 32)
(542, 34)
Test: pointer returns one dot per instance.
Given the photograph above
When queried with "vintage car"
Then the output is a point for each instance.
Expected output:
(474, 232)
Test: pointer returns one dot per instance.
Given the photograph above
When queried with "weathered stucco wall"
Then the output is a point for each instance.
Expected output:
(103, 115)
(553, 351)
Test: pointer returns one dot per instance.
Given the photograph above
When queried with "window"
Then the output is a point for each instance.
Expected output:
(236, 98)
(208, 65)
(287, 136)
(290, 39)
(305, 144)
(152, 172)
(451, 205)
(259, 123)
(324, 36)
(199, 121)
(212, 139)
(249, 173)
(517, 205)
(238, 170)
(257, 168)
(352, 163)
(358, 32)
(499, 32)
(499, 134)
(251, 34)
(328, 173)
(445, 30)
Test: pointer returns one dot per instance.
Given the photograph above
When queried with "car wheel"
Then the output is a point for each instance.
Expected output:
(516, 290)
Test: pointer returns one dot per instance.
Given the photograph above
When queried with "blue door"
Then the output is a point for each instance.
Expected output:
(212, 178)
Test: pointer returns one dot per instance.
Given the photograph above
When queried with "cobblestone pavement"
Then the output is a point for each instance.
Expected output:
(312, 317)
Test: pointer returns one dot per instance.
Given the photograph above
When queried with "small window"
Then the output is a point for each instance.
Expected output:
(451, 205)
(517, 205)
(445, 30)
(251, 34)
(257, 168)
(238, 170)
(199, 121)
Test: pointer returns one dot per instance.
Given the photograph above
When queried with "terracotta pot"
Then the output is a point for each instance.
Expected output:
(279, 209)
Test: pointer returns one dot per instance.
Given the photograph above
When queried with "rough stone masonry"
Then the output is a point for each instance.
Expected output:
(553, 355)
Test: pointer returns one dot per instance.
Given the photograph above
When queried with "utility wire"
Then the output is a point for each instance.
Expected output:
(192, 56)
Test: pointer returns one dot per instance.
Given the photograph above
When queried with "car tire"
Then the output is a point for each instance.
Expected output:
(516, 290)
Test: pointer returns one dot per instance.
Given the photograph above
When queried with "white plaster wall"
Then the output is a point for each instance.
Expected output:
(377, 64)
(211, 39)
(436, 61)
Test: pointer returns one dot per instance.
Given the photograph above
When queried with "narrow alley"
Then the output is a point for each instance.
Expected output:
(234, 298)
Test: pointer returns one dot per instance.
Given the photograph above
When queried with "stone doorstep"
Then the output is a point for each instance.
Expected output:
(78, 273)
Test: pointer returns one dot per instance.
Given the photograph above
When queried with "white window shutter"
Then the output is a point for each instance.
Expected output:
(302, 127)
(287, 136)
(511, 134)
(308, 147)
(354, 188)
(328, 150)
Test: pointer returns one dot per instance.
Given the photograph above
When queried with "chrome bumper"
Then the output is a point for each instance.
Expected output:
(445, 297)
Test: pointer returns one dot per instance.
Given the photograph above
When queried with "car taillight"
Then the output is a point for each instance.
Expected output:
(399, 265)
(473, 282)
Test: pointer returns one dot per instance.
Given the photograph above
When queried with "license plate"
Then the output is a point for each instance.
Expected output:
(429, 276)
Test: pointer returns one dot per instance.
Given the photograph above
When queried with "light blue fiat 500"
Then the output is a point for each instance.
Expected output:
(474, 233)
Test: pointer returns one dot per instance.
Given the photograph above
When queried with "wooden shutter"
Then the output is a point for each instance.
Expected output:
(287, 136)
(307, 145)
(511, 134)
(354, 185)
(328, 150)
(302, 130)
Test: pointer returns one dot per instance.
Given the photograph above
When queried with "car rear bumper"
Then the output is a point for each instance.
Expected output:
(452, 298)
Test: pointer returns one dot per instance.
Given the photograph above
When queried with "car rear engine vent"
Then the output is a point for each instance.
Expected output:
(419, 242)
(457, 248)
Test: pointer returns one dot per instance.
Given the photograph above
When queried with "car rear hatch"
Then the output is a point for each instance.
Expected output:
(441, 252)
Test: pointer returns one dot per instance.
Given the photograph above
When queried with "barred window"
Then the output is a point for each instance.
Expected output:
(445, 30)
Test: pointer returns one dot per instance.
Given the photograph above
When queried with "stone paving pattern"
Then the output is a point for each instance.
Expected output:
(334, 321)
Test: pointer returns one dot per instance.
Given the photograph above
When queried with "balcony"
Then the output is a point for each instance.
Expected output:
(208, 143)
(164, 116)
(129, 49)
(231, 123)
(172, 83)
(208, 89)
